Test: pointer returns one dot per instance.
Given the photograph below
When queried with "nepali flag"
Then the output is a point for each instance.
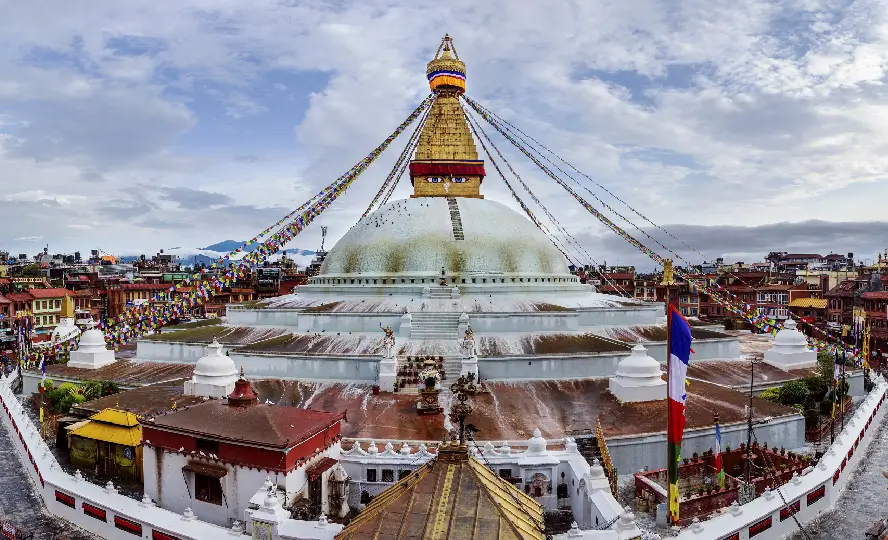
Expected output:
(677, 368)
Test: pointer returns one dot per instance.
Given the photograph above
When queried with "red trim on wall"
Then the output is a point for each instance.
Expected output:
(816, 495)
(157, 535)
(94, 511)
(760, 527)
(447, 169)
(129, 526)
(65, 499)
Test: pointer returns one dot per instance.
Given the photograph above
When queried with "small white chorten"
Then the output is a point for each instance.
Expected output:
(91, 353)
(214, 375)
(790, 349)
(638, 378)
(67, 329)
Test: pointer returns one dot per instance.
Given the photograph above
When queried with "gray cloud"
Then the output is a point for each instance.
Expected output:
(747, 244)
(125, 210)
(193, 199)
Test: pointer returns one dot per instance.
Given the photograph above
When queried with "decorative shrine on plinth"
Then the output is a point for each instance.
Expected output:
(431, 379)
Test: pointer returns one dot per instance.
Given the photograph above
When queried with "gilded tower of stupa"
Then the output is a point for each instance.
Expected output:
(446, 162)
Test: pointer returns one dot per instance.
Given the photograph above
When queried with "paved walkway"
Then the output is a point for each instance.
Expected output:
(863, 502)
(20, 505)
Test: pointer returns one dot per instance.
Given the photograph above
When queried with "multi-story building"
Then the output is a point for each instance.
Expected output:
(47, 306)
(130, 294)
(619, 283)
(875, 304)
(841, 300)
(774, 300)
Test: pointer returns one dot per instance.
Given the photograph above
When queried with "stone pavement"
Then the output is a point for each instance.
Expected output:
(21, 506)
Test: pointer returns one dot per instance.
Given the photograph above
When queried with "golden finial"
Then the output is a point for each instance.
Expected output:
(668, 276)
(242, 372)
(446, 71)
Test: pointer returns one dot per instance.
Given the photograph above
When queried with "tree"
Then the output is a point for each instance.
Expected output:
(793, 393)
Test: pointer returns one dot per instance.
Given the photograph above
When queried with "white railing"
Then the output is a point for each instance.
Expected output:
(101, 511)
(808, 495)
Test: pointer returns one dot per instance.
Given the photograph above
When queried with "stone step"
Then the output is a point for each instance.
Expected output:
(455, 219)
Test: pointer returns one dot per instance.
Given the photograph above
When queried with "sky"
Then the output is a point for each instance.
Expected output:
(740, 126)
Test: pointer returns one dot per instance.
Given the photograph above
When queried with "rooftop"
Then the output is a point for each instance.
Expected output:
(49, 293)
(451, 496)
(875, 295)
(151, 400)
(267, 425)
(811, 303)
(125, 372)
(508, 408)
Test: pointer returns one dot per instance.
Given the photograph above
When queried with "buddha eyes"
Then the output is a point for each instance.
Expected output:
(438, 180)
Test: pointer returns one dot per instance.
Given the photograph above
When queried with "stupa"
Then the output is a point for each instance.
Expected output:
(92, 352)
(790, 349)
(215, 374)
(638, 378)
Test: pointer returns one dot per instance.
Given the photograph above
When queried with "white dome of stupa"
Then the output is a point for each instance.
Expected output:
(214, 363)
(418, 237)
(92, 338)
(790, 349)
(790, 335)
(214, 374)
(638, 378)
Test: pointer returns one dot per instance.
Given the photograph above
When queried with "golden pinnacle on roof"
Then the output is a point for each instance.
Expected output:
(446, 72)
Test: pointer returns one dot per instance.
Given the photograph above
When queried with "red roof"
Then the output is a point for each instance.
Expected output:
(83, 292)
(5, 281)
(144, 286)
(267, 425)
(19, 297)
(875, 295)
(50, 293)
(3, 300)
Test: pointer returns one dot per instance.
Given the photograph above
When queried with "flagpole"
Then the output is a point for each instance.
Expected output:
(670, 450)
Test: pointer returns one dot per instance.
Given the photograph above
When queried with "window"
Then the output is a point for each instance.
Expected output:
(371, 475)
(402, 474)
(505, 473)
(388, 475)
(207, 489)
(207, 447)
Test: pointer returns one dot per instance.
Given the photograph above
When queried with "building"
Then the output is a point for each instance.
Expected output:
(483, 505)
(47, 306)
(108, 444)
(810, 310)
(212, 457)
(773, 300)
(619, 283)
(127, 294)
(841, 300)
(875, 303)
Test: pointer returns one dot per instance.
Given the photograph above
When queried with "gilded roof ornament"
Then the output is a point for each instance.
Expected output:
(446, 72)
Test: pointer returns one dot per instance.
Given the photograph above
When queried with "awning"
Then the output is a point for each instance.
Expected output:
(320, 467)
(205, 469)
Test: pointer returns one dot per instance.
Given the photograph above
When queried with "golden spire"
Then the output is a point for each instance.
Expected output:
(446, 162)
(67, 308)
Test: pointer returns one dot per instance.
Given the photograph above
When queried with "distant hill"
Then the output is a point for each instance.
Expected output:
(211, 253)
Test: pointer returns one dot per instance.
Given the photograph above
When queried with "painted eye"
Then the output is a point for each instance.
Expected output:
(434, 180)
(459, 180)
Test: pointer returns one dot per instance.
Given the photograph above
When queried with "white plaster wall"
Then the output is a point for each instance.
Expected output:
(704, 349)
(308, 368)
(181, 352)
(631, 454)
(524, 322)
(567, 366)
(625, 316)
(347, 322)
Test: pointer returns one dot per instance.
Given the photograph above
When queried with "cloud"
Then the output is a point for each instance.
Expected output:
(193, 199)
(218, 119)
(28, 239)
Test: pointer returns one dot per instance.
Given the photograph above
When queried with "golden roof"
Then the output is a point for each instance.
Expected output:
(815, 303)
(446, 135)
(453, 496)
(113, 426)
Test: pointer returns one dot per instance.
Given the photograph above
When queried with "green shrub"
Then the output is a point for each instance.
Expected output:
(771, 394)
(793, 393)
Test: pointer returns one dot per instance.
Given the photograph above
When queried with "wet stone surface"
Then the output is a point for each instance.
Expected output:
(21, 506)
(862, 504)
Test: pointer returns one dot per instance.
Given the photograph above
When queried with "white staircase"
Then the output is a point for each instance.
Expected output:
(452, 366)
(434, 325)
(440, 293)
(455, 219)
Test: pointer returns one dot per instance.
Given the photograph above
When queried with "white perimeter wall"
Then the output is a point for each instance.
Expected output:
(48, 478)
(832, 474)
